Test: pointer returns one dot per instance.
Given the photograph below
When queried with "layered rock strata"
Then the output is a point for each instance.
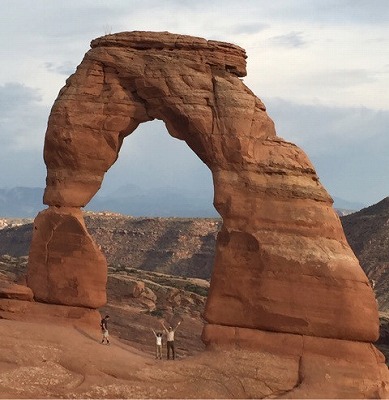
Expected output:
(65, 265)
(282, 261)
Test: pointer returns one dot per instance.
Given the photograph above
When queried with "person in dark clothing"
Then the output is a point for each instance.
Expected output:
(170, 339)
(104, 329)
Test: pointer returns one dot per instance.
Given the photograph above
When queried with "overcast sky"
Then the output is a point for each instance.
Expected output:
(320, 66)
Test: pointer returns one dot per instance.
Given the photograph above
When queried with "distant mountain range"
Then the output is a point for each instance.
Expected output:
(26, 202)
(341, 204)
(155, 202)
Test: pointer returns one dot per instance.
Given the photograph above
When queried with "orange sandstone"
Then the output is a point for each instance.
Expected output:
(282, 261)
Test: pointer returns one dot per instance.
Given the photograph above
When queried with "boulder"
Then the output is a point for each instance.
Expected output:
(10, 290)
(13, 309)
(65, 265)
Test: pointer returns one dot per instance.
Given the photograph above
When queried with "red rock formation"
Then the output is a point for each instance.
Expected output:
(65, 265)
(19, 309)
(329, 368)
(282, 261)
(9, 290)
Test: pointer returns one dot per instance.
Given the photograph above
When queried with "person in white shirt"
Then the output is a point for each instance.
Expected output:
(104, 329)
(158, 344)
(170, 340)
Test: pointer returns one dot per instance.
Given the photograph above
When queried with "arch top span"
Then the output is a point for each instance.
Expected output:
(128, 78)
(224, 55)
(282, 261)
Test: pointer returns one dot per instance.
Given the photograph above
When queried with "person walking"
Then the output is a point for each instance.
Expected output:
(158, 344)
(104, 329)
(170, 340)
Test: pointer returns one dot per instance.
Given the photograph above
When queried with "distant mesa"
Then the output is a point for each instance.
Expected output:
(284, 280)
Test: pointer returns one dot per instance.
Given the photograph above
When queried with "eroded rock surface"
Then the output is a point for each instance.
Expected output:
(10, 290)
(282, 261)
(65, 265)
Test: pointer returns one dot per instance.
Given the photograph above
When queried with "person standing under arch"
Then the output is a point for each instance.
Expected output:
(158, 344)
(104, 329)
(170, 340)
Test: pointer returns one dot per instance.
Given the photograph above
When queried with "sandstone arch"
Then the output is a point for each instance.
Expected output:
(282, 261)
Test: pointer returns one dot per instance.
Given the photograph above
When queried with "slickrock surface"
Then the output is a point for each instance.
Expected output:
(15, 291)
(282, 261)
(40, 359)
(54, 351)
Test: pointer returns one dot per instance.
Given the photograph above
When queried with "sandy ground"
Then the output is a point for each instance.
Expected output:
(43, 360)
(44, 355)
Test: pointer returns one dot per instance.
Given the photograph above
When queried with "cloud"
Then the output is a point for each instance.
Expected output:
(251, 28)
(328, 11)
(22, 168)
(14, 95)
(346, 145)
(22, 126)
(58, 19)
(292, 39)
(343, 77)
(318, 126)
(341, 60)
(151, 158)
(66, 68)
(22, 117)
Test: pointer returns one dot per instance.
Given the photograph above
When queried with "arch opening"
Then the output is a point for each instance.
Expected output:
(281, 245)
(157, 175)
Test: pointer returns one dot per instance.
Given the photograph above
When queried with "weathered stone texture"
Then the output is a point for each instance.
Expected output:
(65, 265)
(19, 309)
(282, 261)
(9, 290)
(328, 368)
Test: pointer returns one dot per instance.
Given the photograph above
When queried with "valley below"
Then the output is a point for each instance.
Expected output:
(159, 270)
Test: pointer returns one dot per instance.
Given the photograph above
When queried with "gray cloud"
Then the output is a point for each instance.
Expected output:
(22, 126)
(67, 68)
(338, 140)
(342, 77)
(61, 20)
(22, 117)
(249, 28)
(150, 157)
(346, 145)
(336, 12)
(14, 95)
(292, 39)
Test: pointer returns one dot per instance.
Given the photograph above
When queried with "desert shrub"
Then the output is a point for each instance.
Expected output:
(200, 290)
(156, 313)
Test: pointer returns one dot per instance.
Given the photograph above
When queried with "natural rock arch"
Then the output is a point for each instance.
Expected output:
(282, 261)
